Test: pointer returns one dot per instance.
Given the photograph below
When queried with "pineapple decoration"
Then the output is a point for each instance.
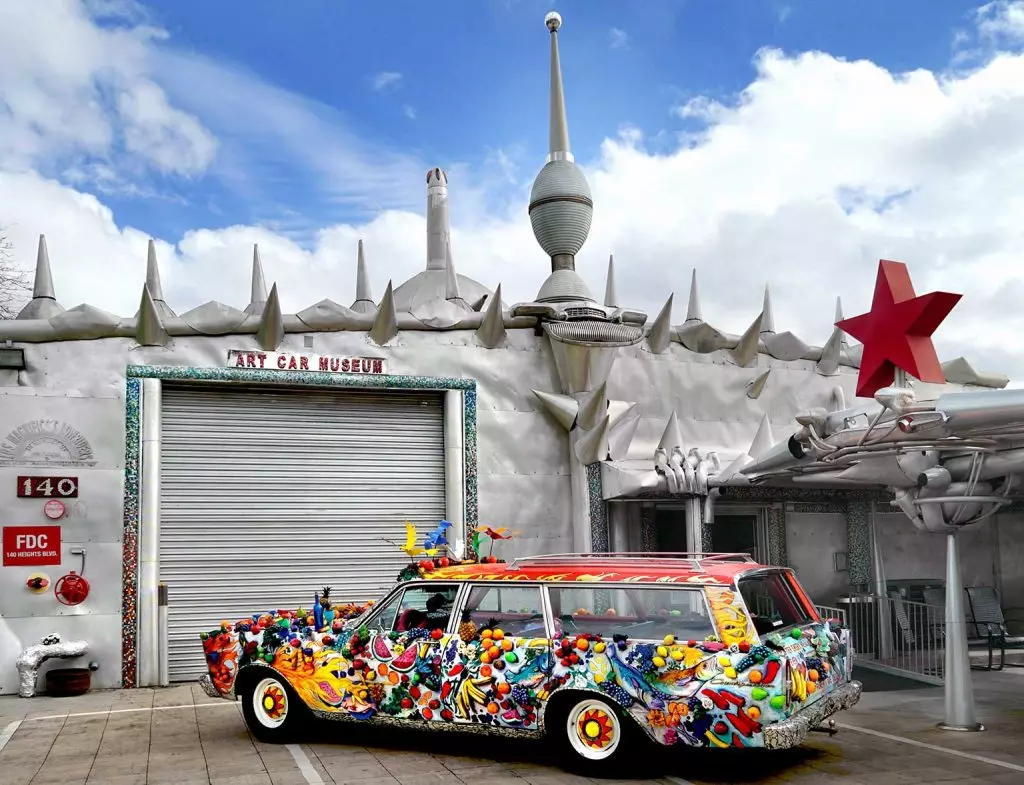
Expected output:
(327, 612)
(467, 627)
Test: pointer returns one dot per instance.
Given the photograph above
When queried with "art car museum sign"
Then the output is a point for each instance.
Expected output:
(287, 361)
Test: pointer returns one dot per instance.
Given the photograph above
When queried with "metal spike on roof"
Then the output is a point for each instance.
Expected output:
(43, 304)
(767, 313)
(623, 429)
(828, 363)
(563, 408)
(661, 331)
(258, 290)
(745, 351)
(491, 331)
(364, 299)
(270, 333)
(149, 326)
(611, 296)
(385, 323)
(156, 289)
(693, 313)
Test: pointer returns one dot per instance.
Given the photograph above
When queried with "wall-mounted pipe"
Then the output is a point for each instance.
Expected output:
(149, 534)
(163, 658)
(454, 465)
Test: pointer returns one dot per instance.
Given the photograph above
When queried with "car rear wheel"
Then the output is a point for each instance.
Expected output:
(589, 735)
(271, 709)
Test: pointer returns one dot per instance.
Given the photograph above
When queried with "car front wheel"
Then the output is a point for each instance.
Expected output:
(271, 710)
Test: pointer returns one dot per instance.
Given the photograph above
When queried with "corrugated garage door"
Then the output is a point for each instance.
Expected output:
(269, 494)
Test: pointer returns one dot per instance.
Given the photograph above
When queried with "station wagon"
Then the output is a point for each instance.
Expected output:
(595, 653)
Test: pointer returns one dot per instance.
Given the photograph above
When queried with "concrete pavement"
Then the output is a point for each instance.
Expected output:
(179, 735)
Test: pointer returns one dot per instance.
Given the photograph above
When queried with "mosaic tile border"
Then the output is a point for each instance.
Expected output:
(598, 510)
(648, 528)
(130, 535)
(858, 541)
(133, 386)
(776, 526)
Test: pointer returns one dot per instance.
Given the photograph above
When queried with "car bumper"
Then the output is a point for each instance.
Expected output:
(207, 684)
(792, 732)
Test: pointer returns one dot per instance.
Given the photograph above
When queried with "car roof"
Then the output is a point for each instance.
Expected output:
(653, 568)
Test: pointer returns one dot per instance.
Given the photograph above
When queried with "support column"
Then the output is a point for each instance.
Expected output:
(858, 542)
(648, 527)
(695, 524)
(960, 708)
(580, 482)
(149, 643)
(454, 465)
(883, 614)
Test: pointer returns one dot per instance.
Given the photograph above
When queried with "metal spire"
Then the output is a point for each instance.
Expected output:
(149, 327)
(364, 299)
(44, 301)
(767, 314)
(558, 130)
(611, 297)
(693, 306)
(156, 289)
(258, 292)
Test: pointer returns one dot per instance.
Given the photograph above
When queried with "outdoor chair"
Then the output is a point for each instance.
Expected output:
(990, 626)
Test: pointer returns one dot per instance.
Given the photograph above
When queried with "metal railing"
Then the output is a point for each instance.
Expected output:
(829, 612)
(898, 636)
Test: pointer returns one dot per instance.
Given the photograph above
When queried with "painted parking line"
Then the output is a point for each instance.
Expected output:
(933, 747)
(676, 780)
(6, 733)
(304, 764)
(127, 711)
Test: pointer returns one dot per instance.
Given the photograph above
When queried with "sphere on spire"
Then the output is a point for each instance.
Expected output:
(553, 21)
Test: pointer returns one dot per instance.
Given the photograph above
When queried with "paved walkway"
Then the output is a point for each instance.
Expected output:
(179, 735)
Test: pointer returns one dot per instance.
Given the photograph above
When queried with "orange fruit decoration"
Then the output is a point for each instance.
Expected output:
(485, 657)
(812, 674)
(753, 712)
(486, 634)
(755, 677)
(507, 645)
(498, 635)
(492, 707)
(504, 688)
(494, 652)
(485, 671)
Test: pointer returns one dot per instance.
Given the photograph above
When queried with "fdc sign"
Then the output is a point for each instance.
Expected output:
(31, 545)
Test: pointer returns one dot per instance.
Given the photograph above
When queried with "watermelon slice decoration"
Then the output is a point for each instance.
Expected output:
(381, 651)
(405, 660)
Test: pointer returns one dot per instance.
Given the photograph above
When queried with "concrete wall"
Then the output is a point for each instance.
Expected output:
(908, 553)
(812, 540)
(65, 433)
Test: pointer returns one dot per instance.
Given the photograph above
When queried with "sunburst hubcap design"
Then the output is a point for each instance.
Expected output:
(270, 703)
(593, 730)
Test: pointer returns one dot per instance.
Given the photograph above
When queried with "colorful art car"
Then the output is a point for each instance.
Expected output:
(597, 653)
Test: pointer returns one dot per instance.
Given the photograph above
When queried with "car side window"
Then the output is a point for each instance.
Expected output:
(643, 613)
(515, 610)
(425, 607)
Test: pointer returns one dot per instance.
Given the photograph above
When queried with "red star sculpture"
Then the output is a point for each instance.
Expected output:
(897, 331)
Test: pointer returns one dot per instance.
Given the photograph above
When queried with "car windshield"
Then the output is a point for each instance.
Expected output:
(772, 603)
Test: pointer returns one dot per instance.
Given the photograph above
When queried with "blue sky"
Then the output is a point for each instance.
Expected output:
(473, 80)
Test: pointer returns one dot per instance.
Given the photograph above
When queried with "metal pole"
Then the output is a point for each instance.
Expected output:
(580, 484)
(454, 465)
(695, 524)
(162, 654)
(884, 640)
(960, 709)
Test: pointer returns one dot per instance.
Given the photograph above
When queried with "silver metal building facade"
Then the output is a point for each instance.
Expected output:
(247, 457)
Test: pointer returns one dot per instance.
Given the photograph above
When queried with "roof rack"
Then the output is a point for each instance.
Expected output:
(696, 560)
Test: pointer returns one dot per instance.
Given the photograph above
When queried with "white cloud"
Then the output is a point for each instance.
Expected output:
(805, 179)
(72, 90)
(1001, 19)
(618, 39)
(784, 12)
(385, 79)
(409, 111)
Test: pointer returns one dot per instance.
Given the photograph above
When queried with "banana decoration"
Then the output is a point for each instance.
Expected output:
(799, 687)
(471, 694)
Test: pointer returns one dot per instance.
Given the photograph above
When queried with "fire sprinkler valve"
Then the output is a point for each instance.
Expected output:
(73, 588)
(37, 583)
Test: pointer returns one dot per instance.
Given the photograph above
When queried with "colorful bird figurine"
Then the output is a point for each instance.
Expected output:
(501, 533)
(410, 548)
(437, 537)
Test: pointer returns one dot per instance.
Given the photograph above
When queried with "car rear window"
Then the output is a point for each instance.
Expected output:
(641, 613)
(772, 603)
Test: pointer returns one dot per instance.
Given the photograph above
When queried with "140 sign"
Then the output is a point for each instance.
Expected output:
(47, 487)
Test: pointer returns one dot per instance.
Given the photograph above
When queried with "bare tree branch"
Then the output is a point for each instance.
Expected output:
(15, 288)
